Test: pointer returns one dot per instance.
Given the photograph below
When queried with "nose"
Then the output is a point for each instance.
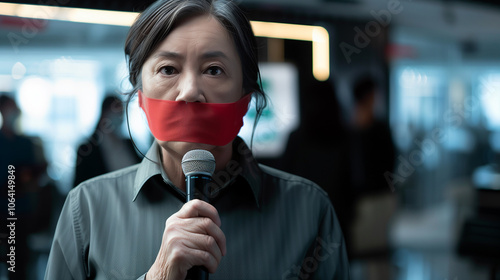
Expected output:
(189, 88)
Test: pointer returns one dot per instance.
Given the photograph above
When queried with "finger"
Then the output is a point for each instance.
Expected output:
(199, 208)
(217, 234)
(203, 258)
(183, 258)
(204, 226)
(204, 243)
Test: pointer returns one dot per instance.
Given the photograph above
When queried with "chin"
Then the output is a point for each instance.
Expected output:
(180, 148)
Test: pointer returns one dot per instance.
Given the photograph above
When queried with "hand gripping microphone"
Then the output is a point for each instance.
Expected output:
(198, 167)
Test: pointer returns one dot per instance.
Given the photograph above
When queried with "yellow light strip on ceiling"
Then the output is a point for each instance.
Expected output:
(315, 34)
(68, 14)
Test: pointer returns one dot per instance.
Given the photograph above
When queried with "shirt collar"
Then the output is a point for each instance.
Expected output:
(149, 167)
(250, 170)
(243, 163)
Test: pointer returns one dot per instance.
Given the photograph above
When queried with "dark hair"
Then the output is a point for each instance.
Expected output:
(158, 20)
(111, 103)
(6, 100)
(363, 87)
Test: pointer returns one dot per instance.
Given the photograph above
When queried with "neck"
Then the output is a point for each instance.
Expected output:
(171, 162)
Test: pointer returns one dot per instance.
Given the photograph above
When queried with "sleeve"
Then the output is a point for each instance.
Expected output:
(327, 256)
(66, 259)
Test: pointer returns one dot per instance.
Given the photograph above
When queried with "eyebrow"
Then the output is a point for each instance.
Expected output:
(214, 54)
(206, 55)
(168, 55)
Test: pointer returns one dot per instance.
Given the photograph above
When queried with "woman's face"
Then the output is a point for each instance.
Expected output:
(197, 62)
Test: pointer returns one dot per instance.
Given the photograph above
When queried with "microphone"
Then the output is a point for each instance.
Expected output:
(198, 167)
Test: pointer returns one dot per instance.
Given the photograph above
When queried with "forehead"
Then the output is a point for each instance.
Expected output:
(199, 32)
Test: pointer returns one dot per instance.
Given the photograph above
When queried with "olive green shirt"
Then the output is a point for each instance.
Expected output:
(277, 225)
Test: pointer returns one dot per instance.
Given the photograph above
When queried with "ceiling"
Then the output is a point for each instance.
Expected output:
(135, 5)
(468, 22)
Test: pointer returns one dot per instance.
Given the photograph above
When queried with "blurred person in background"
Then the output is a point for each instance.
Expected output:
(317, 150)
(106, 150)
(372, 147)
(31, 189)
(193, 65)
(372, 154)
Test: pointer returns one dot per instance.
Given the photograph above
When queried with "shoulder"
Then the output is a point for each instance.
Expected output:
(121, 174)
(299, 201)
(292, 185)
(118, 183)
(95, 202)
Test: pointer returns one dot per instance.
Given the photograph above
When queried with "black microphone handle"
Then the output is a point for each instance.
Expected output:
(200, 182)
(197, 273)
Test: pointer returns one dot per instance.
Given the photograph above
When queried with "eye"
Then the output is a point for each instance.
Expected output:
(214, 71)
(168, 70)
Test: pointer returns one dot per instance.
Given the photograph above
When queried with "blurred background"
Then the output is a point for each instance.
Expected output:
(393, 107)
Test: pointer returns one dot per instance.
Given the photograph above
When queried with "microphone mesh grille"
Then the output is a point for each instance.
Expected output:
(198, 161)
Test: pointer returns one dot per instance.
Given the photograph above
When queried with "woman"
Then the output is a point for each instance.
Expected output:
(193, 65)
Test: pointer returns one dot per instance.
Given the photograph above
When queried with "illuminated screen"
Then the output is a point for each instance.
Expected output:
(489, 96)
(281, 117)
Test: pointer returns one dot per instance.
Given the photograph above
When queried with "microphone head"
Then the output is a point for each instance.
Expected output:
(198, 161)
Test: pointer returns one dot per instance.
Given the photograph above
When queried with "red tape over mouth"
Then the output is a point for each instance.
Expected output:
(207, 123)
